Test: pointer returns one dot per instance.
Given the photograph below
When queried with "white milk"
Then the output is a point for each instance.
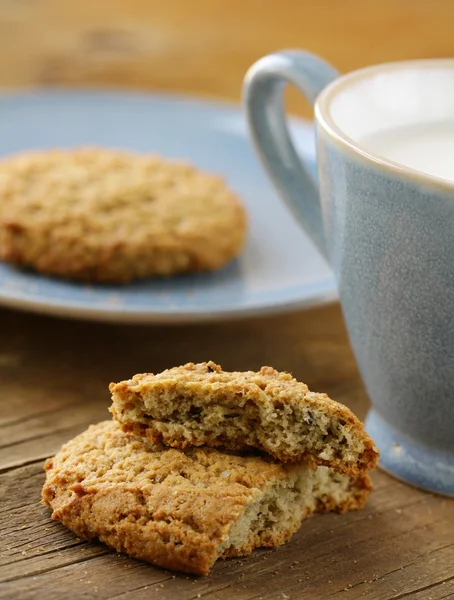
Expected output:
(428, 147)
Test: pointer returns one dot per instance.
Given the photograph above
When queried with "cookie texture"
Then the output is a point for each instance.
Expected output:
(200, 404)
(183, 509)
(102, 215)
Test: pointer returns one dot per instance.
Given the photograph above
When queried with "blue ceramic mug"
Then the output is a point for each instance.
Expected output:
(387, 230)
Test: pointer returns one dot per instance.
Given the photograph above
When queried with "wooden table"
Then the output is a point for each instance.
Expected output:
(54, 378)
(54, 374)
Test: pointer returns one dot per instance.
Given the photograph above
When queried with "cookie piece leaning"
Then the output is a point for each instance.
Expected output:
(102, 215)
(200, 404)
(184, 509)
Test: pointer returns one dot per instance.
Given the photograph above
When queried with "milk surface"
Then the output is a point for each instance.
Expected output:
(426, 147)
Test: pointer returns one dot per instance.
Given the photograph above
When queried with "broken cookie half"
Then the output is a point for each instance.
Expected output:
(202, 405)
(183, 509)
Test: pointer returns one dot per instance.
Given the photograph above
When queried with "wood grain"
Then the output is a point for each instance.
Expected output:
(400, 546)
(54, 373)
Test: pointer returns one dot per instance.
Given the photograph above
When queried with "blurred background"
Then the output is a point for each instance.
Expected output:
(205, 46)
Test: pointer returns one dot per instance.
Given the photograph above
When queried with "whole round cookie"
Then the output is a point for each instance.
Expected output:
(103, 215)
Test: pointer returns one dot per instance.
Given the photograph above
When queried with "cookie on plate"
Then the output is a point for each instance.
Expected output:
(184, 509)
(200, 404)
(103, 215)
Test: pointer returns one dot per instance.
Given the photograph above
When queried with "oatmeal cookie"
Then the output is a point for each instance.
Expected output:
(184, 509)
(102, 215)
(202, 405)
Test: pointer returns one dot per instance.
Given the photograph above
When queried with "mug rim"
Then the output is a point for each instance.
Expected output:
(324, 118)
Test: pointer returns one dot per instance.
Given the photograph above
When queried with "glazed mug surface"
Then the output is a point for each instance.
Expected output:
(387, 229)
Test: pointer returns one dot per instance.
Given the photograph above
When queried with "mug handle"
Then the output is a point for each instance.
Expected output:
(263, 98)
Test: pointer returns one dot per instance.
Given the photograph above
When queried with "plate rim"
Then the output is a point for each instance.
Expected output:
(108, 314)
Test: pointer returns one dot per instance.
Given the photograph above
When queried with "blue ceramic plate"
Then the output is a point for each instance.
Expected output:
(280, 269)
